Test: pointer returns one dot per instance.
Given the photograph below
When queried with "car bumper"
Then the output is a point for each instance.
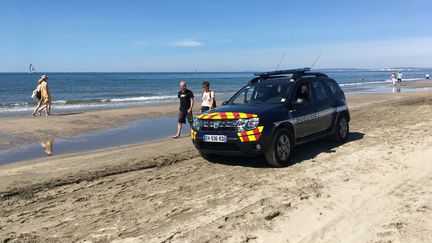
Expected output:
(233, 147)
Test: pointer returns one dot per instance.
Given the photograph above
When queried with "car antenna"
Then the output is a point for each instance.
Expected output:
(316, 60)
(283, 56)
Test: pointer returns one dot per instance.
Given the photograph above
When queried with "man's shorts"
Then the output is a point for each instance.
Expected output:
(182, 116)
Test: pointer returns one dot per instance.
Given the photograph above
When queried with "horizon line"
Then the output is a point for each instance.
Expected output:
(244, 71)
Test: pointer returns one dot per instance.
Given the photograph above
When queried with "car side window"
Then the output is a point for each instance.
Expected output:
(319, 89)
(303, 93)
(332, 86)
(248, 96)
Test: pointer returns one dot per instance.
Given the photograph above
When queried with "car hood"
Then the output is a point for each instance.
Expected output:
(259, 109)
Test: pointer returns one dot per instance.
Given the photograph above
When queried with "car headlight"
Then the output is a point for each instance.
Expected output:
(196, 124)
(244, 125)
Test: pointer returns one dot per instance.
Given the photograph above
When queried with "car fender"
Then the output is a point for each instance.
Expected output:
(288, 124)
(340, 111)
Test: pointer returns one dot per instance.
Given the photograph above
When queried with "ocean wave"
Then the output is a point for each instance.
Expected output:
(364, 83)
(400, 69)
(116, 100)
(85, 104)
(378, 82)
(142, 98)
(67, 102)
(19, 104)
(82, 106)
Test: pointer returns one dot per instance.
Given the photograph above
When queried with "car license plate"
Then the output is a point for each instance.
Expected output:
(215, 138)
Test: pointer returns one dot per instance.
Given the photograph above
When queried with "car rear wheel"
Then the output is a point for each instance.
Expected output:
(279, 153)
(342, 129)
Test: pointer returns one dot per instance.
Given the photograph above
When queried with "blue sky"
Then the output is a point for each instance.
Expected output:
(95, 35)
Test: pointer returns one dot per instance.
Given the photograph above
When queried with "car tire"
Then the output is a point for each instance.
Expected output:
(341, 132)
(280, 150)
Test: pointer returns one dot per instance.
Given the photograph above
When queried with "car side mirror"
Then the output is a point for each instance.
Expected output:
(225, 102)
(299, 101)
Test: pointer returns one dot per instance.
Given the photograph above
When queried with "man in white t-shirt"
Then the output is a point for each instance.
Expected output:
(207, 98)
(399, 78)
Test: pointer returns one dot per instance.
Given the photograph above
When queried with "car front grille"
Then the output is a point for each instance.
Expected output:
(218, 125)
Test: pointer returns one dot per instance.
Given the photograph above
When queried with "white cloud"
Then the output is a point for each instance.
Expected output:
(412, 52)
(188, 43)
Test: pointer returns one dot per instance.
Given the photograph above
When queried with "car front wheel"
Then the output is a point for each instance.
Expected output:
(279, 153)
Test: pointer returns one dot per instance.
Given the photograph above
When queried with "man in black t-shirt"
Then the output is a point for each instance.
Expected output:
(186, 104)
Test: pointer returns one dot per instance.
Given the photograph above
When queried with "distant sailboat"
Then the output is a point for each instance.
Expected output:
(31, 68)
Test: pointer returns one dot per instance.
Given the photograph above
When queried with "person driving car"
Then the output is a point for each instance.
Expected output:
(303, 93)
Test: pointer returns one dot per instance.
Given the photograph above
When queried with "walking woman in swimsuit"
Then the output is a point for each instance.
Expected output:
(37, 95)
(45, 100)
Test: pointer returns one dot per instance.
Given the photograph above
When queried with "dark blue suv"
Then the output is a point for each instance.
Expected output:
(272, 114)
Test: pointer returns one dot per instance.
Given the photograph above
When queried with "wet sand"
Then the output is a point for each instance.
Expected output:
(375, 188)
(17, 131)
(131, 133)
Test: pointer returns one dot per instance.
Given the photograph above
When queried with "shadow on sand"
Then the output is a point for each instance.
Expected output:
(302, 152)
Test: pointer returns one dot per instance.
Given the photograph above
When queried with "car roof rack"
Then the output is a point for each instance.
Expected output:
(313, 74)
(281, 72)
(296, 74)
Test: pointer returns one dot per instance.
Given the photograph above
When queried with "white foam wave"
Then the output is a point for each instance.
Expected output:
(82, 106)
(365, 83)
(378, 82)
(142, 98)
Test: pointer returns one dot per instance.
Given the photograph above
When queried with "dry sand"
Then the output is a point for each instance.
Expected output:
(375, 188)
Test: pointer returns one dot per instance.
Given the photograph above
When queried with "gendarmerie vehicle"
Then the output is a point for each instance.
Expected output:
(272, 114)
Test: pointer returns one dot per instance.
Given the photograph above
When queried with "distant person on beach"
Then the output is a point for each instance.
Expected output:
(393, 78)
(186, 104)
(45, 100)
(208, 101)
(427, 76)
(399, 78)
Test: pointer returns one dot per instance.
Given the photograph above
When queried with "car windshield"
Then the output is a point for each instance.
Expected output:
(262, 93)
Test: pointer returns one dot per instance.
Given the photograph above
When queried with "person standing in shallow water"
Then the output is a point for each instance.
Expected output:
(393, 78)
(399, 76)
(186, 105)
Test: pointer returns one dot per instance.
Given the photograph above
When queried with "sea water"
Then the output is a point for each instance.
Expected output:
(87, 91)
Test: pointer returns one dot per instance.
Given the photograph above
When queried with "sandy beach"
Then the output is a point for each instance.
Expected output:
(374, 188)
(322, 131)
